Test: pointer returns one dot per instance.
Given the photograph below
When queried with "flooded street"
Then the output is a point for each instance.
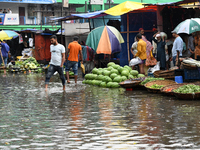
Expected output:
(87, 117)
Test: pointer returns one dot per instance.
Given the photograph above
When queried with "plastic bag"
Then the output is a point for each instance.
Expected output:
(135, 61)
(155, 68)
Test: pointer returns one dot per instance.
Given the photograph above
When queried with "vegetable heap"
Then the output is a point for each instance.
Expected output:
(150, 79)
(29, 64)
(156, 86)
(111, 76)
(190, 88)
(168, 90)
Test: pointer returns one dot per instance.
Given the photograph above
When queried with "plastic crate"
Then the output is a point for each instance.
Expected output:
(191, 74)
(150, 75)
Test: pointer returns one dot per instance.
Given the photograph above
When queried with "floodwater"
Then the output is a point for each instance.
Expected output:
(92, 118)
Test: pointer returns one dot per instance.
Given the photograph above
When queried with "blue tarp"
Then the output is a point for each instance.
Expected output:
(91, 15)
(84, 15)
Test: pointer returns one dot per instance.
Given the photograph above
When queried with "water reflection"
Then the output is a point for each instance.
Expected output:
(89, 117)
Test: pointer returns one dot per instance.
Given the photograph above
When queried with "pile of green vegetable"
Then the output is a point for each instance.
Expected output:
(156, 86)
(189, 88)
(28, 64)
(111, 76)
(150, 79)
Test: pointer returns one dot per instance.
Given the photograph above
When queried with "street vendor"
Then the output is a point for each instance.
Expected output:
(4, 52)
(141, 52)
(74, 49)
(177, 47)
(57, 60)
(161, 54)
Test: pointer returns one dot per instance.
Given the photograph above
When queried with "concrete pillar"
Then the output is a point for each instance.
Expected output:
(38, 14)
(159, 18)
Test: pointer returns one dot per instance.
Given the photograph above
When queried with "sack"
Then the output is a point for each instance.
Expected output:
(150, 61)
(135, 61)
(89, 65)
(156, 67)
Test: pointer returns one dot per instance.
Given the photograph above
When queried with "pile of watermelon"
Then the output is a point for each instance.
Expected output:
(111, 76)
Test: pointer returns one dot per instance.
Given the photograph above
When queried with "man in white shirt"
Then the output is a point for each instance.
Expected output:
(177, 47)
(57, 60)
(9, 11)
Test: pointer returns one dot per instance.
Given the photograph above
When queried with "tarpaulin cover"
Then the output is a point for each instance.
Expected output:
(157, 1)
(123, 8)
(83, 15)
(128, 6)
(91, 15)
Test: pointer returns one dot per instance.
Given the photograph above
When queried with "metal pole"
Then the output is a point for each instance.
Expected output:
(109, 4)
(85, 6)
(61, 23)
(128, 37)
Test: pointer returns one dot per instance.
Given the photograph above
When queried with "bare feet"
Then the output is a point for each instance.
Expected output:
(63, 87)
(46, 87)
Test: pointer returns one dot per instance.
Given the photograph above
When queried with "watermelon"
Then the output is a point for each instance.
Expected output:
(140, 75)
(117, 79)
(125, 72)
(110, 64)
(113, 75)
(94, 71)
(124, 78)
(103, 84)
(114, 71)
(134, 72)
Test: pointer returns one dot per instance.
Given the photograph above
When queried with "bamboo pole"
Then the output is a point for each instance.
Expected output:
(128, 37)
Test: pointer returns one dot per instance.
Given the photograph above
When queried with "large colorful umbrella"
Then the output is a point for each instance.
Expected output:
(7, 34)
(105, 39)
(188, 26)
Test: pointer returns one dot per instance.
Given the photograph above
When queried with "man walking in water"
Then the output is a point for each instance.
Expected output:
(74, 49)
(57, 60)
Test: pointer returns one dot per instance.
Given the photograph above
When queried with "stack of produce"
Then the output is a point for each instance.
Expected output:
(150, 79)
(111, 76)
(186, 89)
(156, 86)
(29, 64)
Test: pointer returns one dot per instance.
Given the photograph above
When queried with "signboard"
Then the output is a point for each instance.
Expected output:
(96, 2)
(9, 19)
(65, 3)
(2, 19)
(30, 1)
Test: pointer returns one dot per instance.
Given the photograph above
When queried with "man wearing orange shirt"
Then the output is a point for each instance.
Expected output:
(74, 49)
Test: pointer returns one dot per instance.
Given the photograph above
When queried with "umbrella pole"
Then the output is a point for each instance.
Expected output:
(128, 37)
(2, 58)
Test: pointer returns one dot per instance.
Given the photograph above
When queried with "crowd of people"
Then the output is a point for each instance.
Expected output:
(5, 11)
(146, 53)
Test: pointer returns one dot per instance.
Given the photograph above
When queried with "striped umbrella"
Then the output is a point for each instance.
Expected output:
(105, 40)
(7, 34)
(188, 26)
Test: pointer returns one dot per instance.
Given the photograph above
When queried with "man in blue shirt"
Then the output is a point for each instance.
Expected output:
(177, 47)
(4, 51)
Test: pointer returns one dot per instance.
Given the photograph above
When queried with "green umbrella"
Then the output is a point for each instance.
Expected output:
(188, 26)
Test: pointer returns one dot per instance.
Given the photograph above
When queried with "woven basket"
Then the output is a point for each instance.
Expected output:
(173, 87)
(187, 96)
(158, 82)
(131, 84)
(197, 83)
(164, 74)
